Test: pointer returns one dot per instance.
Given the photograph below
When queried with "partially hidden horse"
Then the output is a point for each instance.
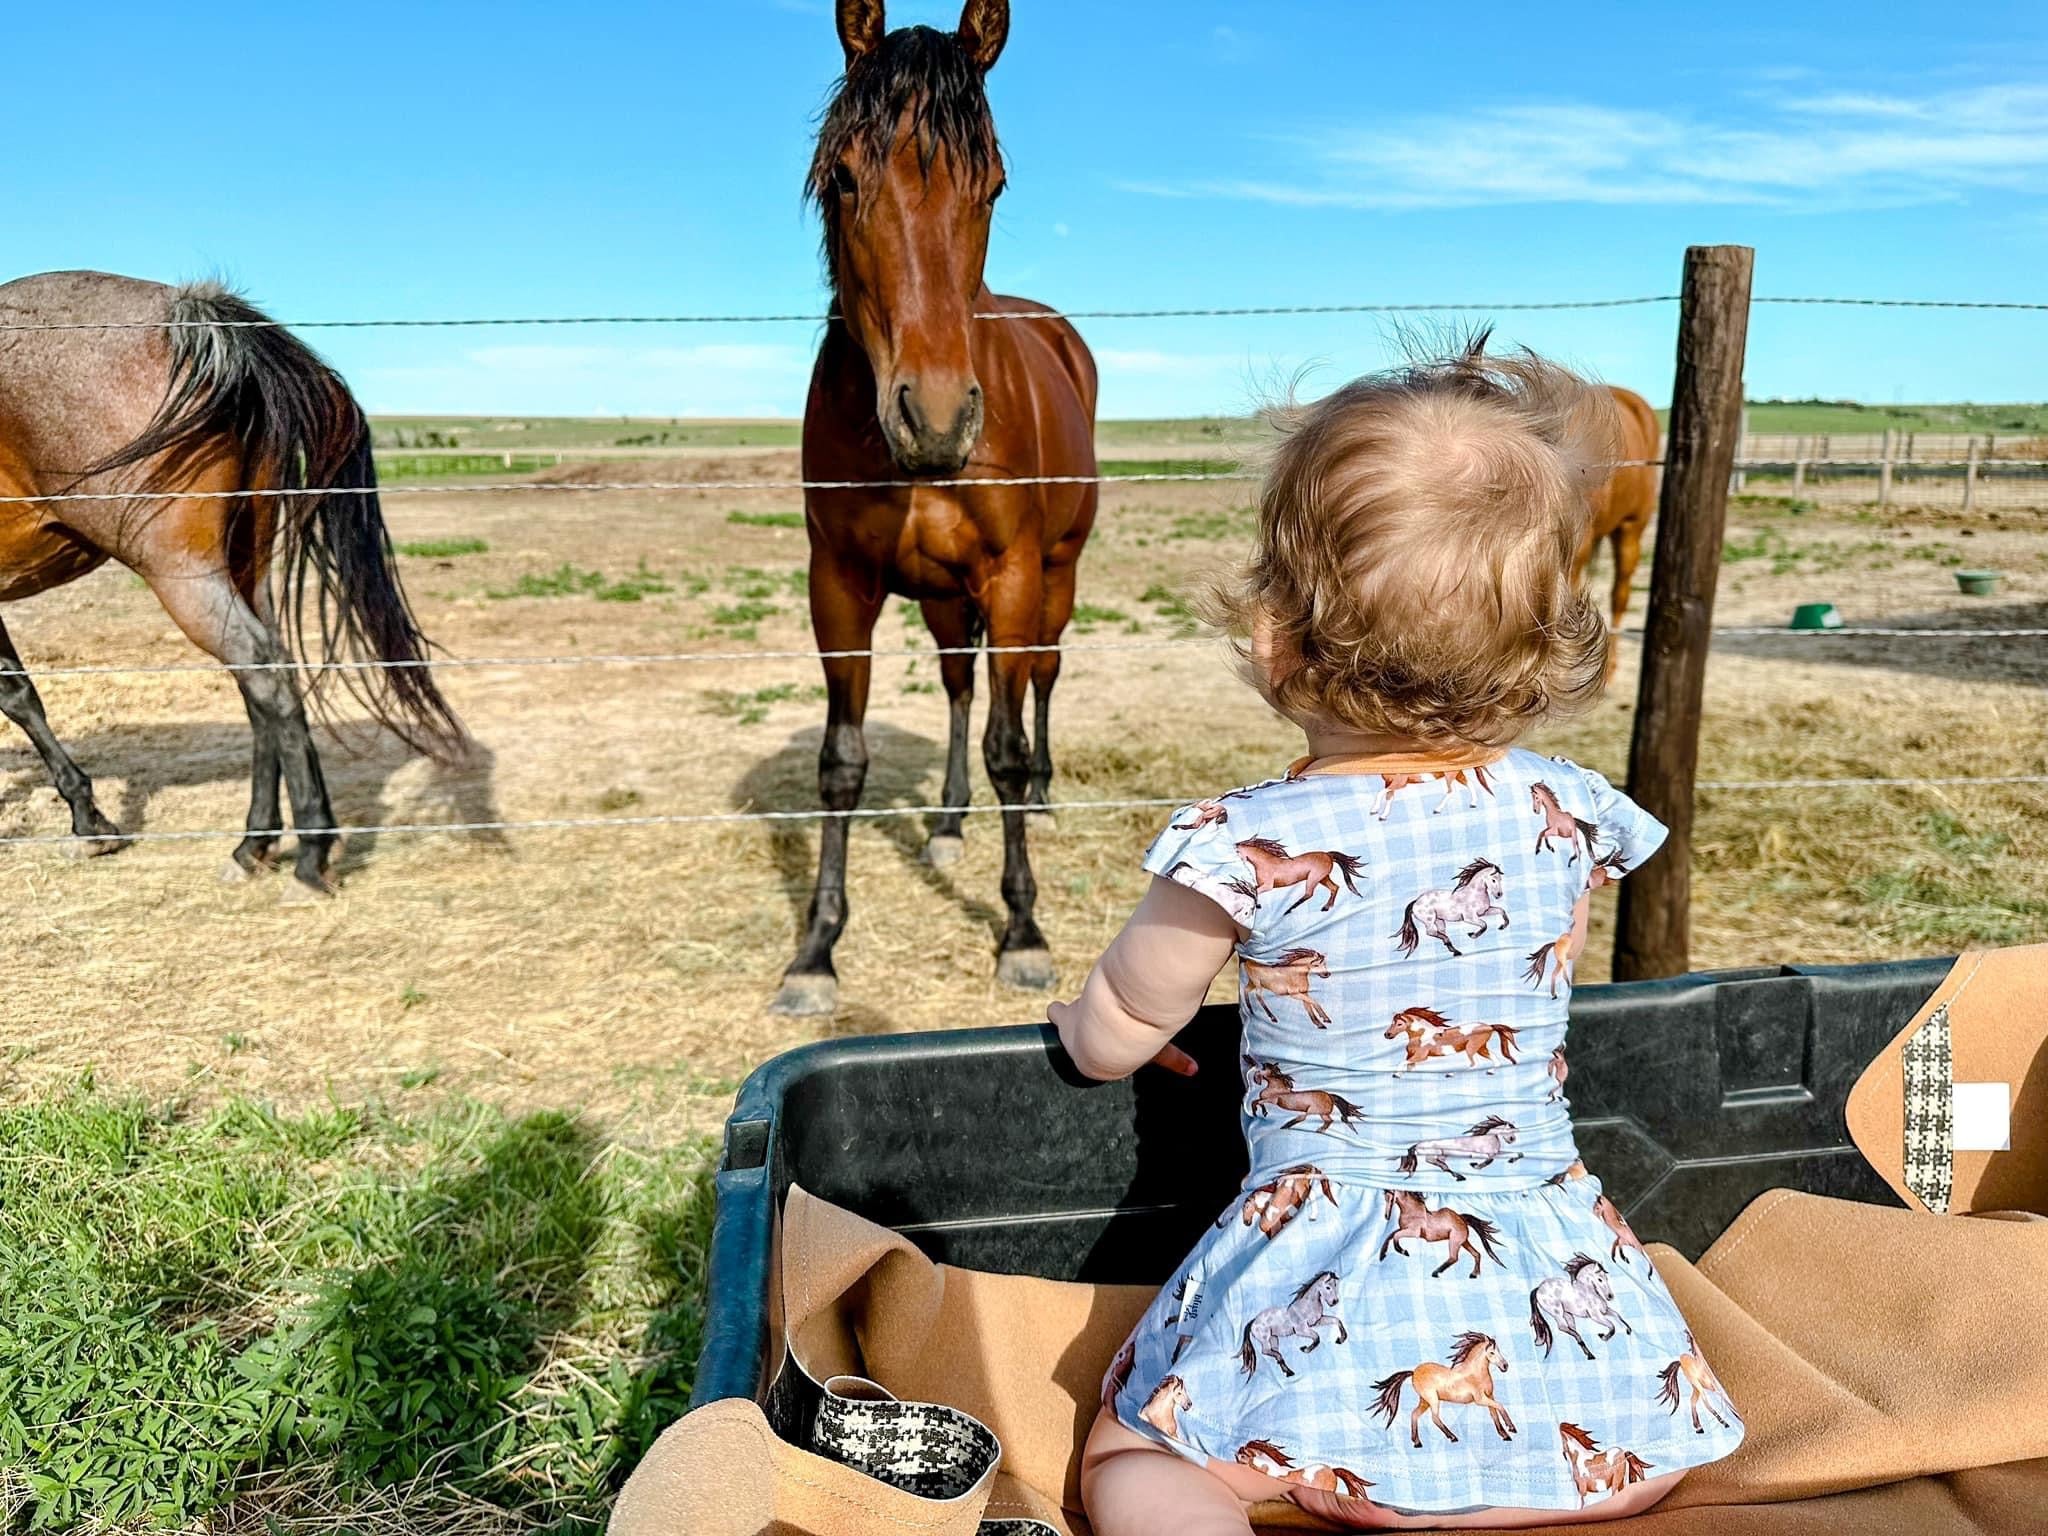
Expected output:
(163, 403)
(1595, 1470)
(1412, 1217)
(911, 387)
(1467, 1379)
(1278, 1201)
(1487, 1140)
(1287, 976)
(1275, 1089)
(1312, 1306)
(1622, 507)
(1692, 1368)
(1316, 869)
(1584, 1290)
(1269, 1458)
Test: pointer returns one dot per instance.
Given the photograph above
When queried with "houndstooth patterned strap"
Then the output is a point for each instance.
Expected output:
(1930, 1104)
(926, 1449)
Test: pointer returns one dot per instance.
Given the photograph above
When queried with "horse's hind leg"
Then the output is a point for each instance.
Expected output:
(257, 851)
(20, 702)
(209, 608)
(1627, 543)
(954, 626)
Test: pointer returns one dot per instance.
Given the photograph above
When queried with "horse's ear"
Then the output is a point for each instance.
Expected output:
(860, 27)
(984, 28)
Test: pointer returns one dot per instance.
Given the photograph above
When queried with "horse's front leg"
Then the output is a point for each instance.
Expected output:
(1061, 566)
(844, 603)
(954, 625)
(20, 702)
(1013, 599)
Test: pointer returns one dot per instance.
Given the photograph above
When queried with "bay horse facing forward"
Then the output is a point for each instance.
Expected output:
(910, 386)
(115, 387)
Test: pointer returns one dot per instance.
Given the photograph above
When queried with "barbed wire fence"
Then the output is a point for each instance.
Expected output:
(1803, 466)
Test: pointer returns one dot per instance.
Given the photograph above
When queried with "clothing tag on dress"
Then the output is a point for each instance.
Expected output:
(1983, 1117)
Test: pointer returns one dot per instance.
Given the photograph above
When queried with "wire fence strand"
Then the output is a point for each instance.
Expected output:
(882, 812)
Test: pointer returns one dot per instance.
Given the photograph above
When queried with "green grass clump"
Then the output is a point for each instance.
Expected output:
(570, 581)
(751, 708)
(1117, 468)
(343, 1306)
(443, 549)
(766, 519)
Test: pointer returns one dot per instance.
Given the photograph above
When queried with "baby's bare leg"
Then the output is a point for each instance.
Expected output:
(1132, 1487)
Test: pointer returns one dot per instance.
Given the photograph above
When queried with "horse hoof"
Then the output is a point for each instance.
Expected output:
(232, 873)
(93, 847)
(299, 891)
(944, 848)
(1041, 818)
(1029, 970)
(806, 997)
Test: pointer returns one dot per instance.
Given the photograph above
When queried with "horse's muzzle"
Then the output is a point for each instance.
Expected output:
(925, 436)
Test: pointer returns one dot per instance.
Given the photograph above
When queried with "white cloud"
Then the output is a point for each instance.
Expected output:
(1825, 149)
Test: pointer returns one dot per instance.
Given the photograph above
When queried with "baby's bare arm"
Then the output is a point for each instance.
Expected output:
(1148, 983)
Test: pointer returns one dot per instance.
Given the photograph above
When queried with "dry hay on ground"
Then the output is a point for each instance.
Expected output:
(626, 970)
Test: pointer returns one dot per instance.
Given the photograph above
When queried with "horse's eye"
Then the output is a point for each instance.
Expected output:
(843, 180)
(1000, 188)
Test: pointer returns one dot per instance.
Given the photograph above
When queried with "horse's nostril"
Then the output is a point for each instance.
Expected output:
(906, 405)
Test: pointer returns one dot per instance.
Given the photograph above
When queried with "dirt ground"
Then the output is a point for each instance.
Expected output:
(627, 970)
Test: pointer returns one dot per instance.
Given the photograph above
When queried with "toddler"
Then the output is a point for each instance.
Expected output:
(1421, 1311)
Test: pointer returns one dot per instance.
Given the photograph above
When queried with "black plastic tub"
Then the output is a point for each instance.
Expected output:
(984, 1146)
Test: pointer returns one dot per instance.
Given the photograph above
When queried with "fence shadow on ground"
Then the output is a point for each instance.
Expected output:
(139, 762)
(2016, 660)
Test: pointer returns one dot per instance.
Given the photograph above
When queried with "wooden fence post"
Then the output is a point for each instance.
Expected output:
(1654, 933)
(1970, 477)
(1799, 466)
(1884, 471)
(1740, 481)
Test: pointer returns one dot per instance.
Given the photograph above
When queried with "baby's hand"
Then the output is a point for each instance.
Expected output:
(1065, 1016)
(1174, 1059)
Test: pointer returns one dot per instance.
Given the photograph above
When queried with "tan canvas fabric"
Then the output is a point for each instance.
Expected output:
(1890, 1365)
(1998, 1033)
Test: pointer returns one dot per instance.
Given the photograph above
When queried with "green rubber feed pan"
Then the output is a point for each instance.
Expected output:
(1816, 616)
(1978, 583)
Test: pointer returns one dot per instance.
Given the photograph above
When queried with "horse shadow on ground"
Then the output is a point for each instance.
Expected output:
(2015, 660)
(903, 767)
(357, 763)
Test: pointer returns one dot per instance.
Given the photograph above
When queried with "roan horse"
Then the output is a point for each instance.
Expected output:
(117, 388)
(910, 385)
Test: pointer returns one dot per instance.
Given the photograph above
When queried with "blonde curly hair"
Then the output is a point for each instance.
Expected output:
(1413, 568)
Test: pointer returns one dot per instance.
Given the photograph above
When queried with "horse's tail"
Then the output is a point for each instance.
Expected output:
(1540, 1324)
(1505, 1033)
(1409, 1162)
(1346, 1110)
(1349, 865)
(237, 377)
(1635, 1469)
(1668, 1393)
(1247, 1357)
(1388, 1403)
(1535, 971)
(1350, 1482)
(1487, 1233)
(1409, 935)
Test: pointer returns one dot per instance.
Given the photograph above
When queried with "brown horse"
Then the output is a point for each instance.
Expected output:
(1693, 1369)
(1622, 507)
(1595, 1470)
(1453, 1229)
(1288, 976)
(910, 385)
(1276, 1090)
(115, 387)
(1269, 1458)
(1624, 1235)
(1275, 1203)
(1467, 1379)
(1318, 870)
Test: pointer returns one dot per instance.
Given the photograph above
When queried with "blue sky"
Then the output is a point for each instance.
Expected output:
(375, 160)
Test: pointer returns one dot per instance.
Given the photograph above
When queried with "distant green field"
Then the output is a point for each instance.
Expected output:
(1208, 436)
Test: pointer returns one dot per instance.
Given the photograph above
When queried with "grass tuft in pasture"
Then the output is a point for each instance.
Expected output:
(571, 581)
(458, 1320)
(443, 549)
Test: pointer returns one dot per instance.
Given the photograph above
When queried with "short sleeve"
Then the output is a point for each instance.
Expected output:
(1624, 834)
(1198, 849)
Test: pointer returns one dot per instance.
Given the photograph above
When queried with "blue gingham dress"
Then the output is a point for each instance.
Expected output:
(1417, 1253)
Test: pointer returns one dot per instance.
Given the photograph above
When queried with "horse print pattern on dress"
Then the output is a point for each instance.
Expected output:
(1473, 896)
(1312, 1307)
(1442, 1225)
(1582, 1291)
(1404, 1063)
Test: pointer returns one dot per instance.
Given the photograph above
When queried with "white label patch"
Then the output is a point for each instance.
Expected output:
(1983, 1117)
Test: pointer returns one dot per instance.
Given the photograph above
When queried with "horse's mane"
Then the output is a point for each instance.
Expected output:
(1549, 794)
(1573, 1433)
(919, 71)
(1427, 1015)
(1466, 1345)
(1297, 956)
(1265, 845)
(1488, 1124)
(1471, 871)
(1313, 1281)
(1578, 1264)
(1267, 1449)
